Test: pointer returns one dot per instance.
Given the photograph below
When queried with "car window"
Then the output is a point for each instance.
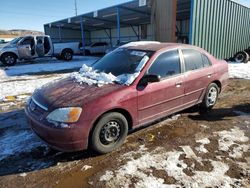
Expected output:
(206, 61)
(27, 41)
(193, 59)
(167, 64)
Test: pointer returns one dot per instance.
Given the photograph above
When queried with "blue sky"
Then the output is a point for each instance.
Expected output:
(32, 14)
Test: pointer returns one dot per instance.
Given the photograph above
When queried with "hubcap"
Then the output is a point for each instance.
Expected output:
(212, 96)
(9, 59)
(67, 55)
(110, 132)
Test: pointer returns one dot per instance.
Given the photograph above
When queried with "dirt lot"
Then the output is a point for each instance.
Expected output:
(187, 150)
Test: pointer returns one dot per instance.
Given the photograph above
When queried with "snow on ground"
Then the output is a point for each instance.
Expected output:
(24, 84)
(239, 70)
(50, 66)
(11, 84)
(231, 139)
(16, 137)
(202, 142)
(142, 171)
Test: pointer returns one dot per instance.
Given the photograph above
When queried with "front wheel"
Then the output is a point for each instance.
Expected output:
(9, 59)
(109, 133)
(210, 98)
(67, 55)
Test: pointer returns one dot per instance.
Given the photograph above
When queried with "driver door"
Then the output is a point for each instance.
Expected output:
(162, 98)
(24, 48)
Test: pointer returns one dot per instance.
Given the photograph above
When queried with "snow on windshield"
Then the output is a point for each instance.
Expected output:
(91, 77)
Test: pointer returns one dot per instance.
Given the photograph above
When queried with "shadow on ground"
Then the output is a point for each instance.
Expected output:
(22, 151)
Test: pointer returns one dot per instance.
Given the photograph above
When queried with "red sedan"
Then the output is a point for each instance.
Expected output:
(134, 85)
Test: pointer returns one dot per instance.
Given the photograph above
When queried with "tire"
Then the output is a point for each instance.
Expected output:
(9, 59)
(210, 98)
(241, 57)
(67, 54)
(248, 52)
(102, 140)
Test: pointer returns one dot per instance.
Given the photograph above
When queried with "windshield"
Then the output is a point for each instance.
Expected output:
(122, 61)
(14, 41)
(121, 66)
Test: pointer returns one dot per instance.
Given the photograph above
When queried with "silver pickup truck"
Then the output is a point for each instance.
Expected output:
(31, 47)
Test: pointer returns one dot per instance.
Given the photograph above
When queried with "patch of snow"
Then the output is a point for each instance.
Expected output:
(18, 87)
(231, 138)
(50, 66)
(140, 170)
(16, 141)
(92, 77)
(203, 142)
(204, 126)
(132, 44)
(85, 167)
(23, 174)
(239, 70)
(107, 176)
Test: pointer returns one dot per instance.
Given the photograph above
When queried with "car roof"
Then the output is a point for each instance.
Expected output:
(156, 46)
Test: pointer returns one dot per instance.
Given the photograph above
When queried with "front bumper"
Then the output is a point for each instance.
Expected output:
(62, 139)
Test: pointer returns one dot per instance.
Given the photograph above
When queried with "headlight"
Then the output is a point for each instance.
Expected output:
(65, 115)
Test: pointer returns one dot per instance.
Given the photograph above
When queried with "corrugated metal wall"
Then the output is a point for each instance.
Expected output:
(221, 27)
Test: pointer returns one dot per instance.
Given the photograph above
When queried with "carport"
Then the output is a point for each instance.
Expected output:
(129, 21)
(128, 15)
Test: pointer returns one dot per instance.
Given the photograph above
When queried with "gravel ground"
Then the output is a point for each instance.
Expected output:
(187, 150)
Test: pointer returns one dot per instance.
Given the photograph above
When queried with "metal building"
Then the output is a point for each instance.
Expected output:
(220, 27)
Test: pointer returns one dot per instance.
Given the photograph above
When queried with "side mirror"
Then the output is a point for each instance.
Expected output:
(150, 78)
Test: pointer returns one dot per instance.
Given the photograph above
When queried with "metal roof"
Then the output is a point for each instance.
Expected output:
(130, 13)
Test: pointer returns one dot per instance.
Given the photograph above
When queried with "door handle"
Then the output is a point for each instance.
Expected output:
(178, 84)
(209, 75)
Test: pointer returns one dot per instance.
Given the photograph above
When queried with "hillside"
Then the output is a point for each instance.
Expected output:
(18, 32)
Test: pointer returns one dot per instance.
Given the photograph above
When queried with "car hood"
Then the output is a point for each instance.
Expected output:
(69, 93)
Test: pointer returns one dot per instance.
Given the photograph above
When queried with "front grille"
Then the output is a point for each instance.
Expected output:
(36, 109)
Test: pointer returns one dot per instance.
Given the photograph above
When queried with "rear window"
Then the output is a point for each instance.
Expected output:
(195, 60)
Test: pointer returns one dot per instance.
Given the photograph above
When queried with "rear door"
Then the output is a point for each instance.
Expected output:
(164, 97)
(198, 75)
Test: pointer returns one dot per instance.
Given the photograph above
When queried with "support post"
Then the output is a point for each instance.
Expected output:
(60, 34)
(83, 37)
(191, 23)
(110, 37)
(118, 26)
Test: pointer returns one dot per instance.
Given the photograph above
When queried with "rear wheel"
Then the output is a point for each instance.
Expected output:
(109, 133)
(210, 98)
(9, 59)
(67, 55)
(241, 57)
